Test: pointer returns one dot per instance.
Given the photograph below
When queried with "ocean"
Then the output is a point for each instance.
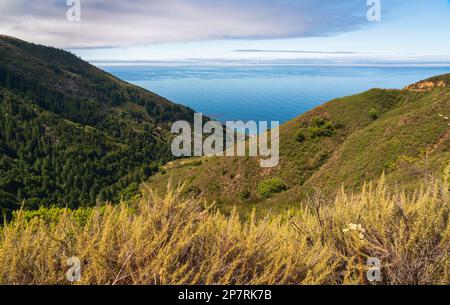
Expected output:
(267, 93)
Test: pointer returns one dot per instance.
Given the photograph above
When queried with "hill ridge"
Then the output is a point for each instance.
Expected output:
(394, 131)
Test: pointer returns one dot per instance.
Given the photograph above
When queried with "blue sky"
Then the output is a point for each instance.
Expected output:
(228, 31)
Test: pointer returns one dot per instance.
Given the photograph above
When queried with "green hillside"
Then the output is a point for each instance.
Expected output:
(71, 134)
(347, 141)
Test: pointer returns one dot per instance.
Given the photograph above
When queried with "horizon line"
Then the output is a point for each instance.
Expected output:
(212, 63)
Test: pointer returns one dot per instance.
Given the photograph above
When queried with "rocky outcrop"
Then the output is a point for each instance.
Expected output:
(426, 85)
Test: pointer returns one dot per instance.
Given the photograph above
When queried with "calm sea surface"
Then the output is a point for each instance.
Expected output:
(264, 93)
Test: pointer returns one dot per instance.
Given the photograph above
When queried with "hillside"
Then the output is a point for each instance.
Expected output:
(71, 134)
(347, 141)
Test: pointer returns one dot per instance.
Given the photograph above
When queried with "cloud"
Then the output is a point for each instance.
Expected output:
(120, 23)
(295, 51)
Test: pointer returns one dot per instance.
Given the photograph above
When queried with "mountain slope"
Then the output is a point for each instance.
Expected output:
(70, 132)
(348, 141)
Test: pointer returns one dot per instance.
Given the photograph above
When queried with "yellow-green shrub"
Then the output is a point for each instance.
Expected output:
(172, 240)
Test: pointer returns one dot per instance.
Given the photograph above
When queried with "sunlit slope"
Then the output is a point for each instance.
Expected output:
(348, 141)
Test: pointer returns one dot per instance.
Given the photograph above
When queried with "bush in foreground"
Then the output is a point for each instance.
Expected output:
(172, 240)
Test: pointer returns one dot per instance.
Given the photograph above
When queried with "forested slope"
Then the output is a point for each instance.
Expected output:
(70, 133)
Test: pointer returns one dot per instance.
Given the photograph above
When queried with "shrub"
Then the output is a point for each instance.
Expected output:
(130, 191)
(176, 240)
(324, 130)
(53, 215)
(244, 194)
(318, 127)
(374, 114)
(196, 163)
(192, 163)
(268, 188)
(318, 121)
(321, 128)
(300, 136)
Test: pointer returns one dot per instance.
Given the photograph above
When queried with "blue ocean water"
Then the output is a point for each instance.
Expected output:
(265, 93)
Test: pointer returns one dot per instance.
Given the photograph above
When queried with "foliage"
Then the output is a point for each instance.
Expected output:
(245, 194)
(359, 149)
(300, 135)
(374, 113)
(320, 128)
(71, 134)
(52, 215)
(269, 187)
(178, 240)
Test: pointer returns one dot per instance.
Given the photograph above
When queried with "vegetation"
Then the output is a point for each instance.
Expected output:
(245, 194)
(300, 135)
(320, 128)
(71, 134)
(179, 240)
(374, 113)
(338, 143)
(269, 187)
(76, 143)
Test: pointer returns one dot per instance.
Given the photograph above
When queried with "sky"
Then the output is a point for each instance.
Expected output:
(237, 31)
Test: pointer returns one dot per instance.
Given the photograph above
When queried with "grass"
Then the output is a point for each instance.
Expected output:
(178, 240)
(350, 141)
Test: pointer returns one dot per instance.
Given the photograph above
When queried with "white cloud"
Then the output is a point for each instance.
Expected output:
(118, 23)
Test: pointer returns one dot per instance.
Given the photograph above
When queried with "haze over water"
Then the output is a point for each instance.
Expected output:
(265, 93)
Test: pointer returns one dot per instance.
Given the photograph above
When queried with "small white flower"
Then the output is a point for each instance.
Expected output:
(360, 231)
